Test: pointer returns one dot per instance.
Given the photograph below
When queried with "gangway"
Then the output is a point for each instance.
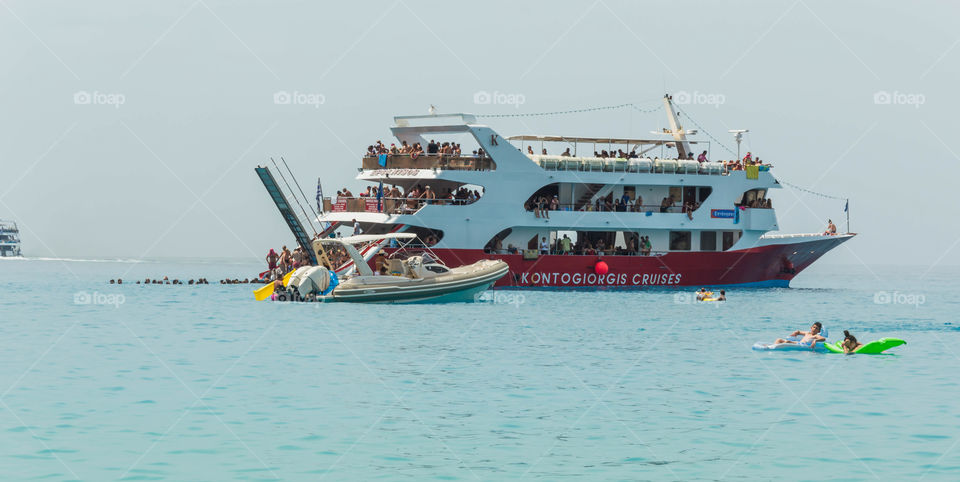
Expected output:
(273, 189)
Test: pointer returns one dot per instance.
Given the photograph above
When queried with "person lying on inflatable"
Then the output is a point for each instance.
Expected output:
(850, 343)
(810, 338)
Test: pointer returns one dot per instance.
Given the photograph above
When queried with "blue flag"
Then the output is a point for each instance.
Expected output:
(379, 197)
(846, 207)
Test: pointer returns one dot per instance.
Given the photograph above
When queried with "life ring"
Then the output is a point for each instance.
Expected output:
(414, 155)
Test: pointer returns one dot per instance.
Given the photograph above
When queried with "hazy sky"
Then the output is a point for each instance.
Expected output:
(131, 129)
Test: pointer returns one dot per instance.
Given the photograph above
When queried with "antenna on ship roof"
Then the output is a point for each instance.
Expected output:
(738, 136)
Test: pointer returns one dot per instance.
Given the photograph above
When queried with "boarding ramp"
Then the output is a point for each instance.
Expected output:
(296, 227)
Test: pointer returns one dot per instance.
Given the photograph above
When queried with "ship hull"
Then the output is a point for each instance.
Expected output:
(773, 265)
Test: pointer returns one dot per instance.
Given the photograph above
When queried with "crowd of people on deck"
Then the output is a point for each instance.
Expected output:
(541, 205)
(279, 264)
(433, 148)
(566, 246)
(416, 197)
(741, 164)
(734, 165)
(760, 203)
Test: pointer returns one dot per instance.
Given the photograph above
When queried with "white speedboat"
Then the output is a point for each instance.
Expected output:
(404, 276)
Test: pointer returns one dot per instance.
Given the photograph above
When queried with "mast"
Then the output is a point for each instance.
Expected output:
(679, 135)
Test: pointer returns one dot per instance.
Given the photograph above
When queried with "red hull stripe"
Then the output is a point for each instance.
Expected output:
(772, 265)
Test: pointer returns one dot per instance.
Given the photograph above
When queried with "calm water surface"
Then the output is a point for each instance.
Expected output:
(197, 383)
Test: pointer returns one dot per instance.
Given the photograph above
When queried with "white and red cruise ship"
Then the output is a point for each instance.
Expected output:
(620, 218)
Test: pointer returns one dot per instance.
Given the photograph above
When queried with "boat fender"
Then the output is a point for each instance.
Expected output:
(601, 268)
(334, 281)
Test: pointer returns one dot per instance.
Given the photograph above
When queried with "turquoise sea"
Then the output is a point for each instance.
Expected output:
(100, 381)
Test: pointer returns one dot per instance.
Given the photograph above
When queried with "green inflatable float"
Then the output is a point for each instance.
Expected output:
(872, 348)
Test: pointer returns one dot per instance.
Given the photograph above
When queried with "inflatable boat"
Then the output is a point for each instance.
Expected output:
(401, 277)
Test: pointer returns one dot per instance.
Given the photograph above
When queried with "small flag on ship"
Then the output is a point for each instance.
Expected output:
(319, 197)
(846, 207)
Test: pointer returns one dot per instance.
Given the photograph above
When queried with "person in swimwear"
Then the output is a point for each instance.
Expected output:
(272, 259)
(702, 294)
(810, 338)
(850, 344)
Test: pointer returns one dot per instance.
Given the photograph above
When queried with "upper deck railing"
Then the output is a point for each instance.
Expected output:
(639, 165)
(429, 161)
(386, 205)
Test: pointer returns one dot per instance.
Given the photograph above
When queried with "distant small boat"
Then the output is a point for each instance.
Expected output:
(9, 239)
(407, 278)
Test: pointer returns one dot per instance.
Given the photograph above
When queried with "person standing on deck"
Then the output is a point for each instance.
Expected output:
(272, 259)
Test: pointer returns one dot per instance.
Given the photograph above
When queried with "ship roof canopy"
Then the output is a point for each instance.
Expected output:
(595, 140)
(366, 238)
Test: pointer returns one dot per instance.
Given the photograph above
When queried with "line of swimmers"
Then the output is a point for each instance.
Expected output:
(199, 281)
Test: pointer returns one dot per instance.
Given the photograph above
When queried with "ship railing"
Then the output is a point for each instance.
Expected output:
(429, 161)
(797, 235)
(634, 209)
(558, 252)
(637, 165)
(387, 205)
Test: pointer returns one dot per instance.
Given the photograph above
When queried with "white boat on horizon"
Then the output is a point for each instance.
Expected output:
(9, 239)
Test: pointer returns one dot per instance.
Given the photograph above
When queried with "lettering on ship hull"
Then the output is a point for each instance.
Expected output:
(537, 278)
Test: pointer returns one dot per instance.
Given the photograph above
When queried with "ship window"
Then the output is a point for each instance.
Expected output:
(676, 192)
(708, 240)
(495, 245)
(680, 240)
(730, 238)
(704, 193)
(425, 236)
(436, 268)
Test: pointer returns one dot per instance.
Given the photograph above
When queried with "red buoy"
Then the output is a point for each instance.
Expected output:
(601, 268)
